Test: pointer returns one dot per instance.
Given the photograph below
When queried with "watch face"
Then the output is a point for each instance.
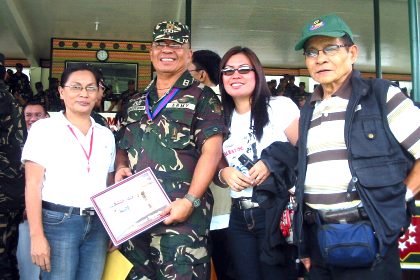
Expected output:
(102, 55)
(196, 203)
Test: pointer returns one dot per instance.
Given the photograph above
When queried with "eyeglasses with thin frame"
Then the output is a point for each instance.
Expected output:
(161, 45)
(79, 88)
(329, 50)
(229, 71)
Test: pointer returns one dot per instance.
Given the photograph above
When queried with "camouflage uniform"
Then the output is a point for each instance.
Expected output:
(12, 182)
(171, 146)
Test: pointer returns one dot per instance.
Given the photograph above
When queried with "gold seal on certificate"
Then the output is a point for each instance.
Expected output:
(131, 206)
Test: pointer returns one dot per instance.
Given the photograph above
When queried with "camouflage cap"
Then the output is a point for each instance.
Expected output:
(172, 30)
(328, 25)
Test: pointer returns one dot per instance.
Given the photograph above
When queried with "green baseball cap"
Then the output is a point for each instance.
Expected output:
(172, 30)
(328, 25)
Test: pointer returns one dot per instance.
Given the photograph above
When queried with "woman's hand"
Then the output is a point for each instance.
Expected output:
(112, 247)
(306, 263)
(236, 179)
(259, 172)
(40, 252)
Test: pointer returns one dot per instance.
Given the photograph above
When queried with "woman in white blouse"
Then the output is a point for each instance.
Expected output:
(68, 158)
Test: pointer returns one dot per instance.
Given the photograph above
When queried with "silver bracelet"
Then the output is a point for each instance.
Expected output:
(220, 177)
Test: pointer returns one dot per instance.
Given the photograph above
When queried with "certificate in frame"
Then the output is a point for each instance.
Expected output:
(131, 206)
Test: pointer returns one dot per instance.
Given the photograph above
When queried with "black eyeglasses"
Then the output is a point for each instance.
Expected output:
(330, 50)
(229, 71)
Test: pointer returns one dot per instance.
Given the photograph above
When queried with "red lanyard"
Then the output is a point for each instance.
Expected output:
(90, 148)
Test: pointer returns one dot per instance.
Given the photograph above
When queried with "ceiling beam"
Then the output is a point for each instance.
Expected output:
(17, 25)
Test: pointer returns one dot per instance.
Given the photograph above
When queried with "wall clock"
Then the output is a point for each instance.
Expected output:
(102, 55)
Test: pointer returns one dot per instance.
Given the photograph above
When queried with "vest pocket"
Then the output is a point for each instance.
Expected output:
(369, 139)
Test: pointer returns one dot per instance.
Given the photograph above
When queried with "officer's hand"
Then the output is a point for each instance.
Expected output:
(122, 173)
(179, 211)
(40, 252)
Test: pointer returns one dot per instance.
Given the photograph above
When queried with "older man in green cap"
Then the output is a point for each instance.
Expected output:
(359, 150)
(175, 127)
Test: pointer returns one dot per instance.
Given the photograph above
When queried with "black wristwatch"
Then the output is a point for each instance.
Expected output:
(195, 201)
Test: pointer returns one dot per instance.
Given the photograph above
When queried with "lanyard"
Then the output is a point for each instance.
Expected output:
(84, 151)
(161, 105)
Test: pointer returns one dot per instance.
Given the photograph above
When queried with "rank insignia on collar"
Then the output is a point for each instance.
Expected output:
(186, 82)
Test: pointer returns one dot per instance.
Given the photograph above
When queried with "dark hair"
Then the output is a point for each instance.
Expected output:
(2, 72)
(259, 98)
(346, 39)
(208, 61)
(38, 84)
(34, 102)
(81, 67)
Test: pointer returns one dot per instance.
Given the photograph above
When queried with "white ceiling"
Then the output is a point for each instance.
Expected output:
(269, 27)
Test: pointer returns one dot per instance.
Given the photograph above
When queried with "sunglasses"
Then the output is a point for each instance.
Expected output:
(229, 71)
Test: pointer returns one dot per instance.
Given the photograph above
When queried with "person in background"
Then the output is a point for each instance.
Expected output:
(125, 97)
(40, 96)
(180, 137)
(12, 183)
(255, 121)
(301, 101)
(8, 78)
(359, 150)
(21, 87)
(99, 119)
(53, 101)
(302, 91)
(68, 158)
(272, 85)
(205, 69)
(281, 88)
(32, 112)
(127, 94)
(291, 90)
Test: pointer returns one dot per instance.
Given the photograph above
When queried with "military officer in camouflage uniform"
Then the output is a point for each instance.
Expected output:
(175, 127)
(11, 179)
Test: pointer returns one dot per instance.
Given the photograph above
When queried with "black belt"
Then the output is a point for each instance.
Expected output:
(244, 203)
(68, 209)
(349, 215)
